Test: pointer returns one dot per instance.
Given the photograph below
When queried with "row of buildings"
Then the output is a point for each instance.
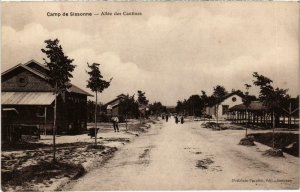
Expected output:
(27, 100)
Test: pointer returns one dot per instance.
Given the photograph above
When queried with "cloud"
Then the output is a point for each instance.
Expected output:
(171, 51)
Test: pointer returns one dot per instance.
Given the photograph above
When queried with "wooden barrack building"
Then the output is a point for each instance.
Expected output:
(28, 100)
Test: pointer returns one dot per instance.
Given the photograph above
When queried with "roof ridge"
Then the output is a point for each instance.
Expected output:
(75, 86)
(115, 99)
(32, 60)
(25, 67)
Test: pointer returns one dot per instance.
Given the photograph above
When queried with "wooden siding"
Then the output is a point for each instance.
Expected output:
(35, 83)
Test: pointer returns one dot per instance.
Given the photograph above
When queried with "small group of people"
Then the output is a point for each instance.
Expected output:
(115, 121)
(177, 119)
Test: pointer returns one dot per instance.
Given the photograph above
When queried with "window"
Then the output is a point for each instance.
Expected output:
(22, 80)
(233, 99)
(40, 112)
(225, 109)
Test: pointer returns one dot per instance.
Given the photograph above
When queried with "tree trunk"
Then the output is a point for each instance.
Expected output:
(290, 117)
(217, 115)
(96, 120)
(246, 124)
(126, 121)
(54, 123)
(273, 118)
(45, 121)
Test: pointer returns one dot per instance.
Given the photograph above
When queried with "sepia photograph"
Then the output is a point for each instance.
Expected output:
(126, 96)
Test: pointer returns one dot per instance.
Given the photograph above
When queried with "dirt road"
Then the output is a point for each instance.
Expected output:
(187, 156)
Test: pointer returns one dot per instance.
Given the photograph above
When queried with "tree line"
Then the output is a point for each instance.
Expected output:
(277, 100)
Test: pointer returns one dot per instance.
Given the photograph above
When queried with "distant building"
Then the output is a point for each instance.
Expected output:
(28, 99)
(226, 102)
(113, 107)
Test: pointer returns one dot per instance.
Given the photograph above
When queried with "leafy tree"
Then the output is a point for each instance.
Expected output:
(157, 108)
(195, 105)
(60, 68)
(179, 107)
(96, 84)
(218, 94)
(271, 97)
(142, 98)
(129, 107)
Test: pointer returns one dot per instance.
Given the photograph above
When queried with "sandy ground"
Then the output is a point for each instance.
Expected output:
(186, 157)
(70, 149)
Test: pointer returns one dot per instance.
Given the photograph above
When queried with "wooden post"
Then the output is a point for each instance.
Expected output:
(45, 133)
(126, 121)
(246, 123)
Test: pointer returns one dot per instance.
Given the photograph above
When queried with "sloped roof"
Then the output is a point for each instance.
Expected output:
(37, 66)
(254, 106)
(27, 98)
(225, 97)
(76, 89)
(115, 101)
(26, 66)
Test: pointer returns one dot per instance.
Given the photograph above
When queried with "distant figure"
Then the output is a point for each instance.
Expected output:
(115, 121)
(176, 119)
(167, 118)
(163, 117)
(181, 120)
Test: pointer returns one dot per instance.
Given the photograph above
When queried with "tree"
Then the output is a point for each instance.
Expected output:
(142, 98)
(129, 107)
(91, 110)
(157, 108)
(96, 84)
(195, 105)
(218, 93)
(247, 102)
(60, 68)
(271, 97)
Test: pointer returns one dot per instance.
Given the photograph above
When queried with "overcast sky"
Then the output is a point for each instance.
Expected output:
(172, 51)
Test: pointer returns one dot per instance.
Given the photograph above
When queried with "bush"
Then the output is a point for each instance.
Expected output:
(247, 141)
(274, 153)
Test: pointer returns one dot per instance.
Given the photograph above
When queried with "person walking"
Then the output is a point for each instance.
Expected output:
(167, 118)
(115, 121)
(182, 120)
(176, 119)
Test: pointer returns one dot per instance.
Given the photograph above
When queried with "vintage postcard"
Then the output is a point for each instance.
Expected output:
(175, 95)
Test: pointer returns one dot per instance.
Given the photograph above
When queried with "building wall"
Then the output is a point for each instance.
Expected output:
(230, 103)
(34, 83)
(115, 111)
(75, 112)
(71, 107)
(227, 103)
